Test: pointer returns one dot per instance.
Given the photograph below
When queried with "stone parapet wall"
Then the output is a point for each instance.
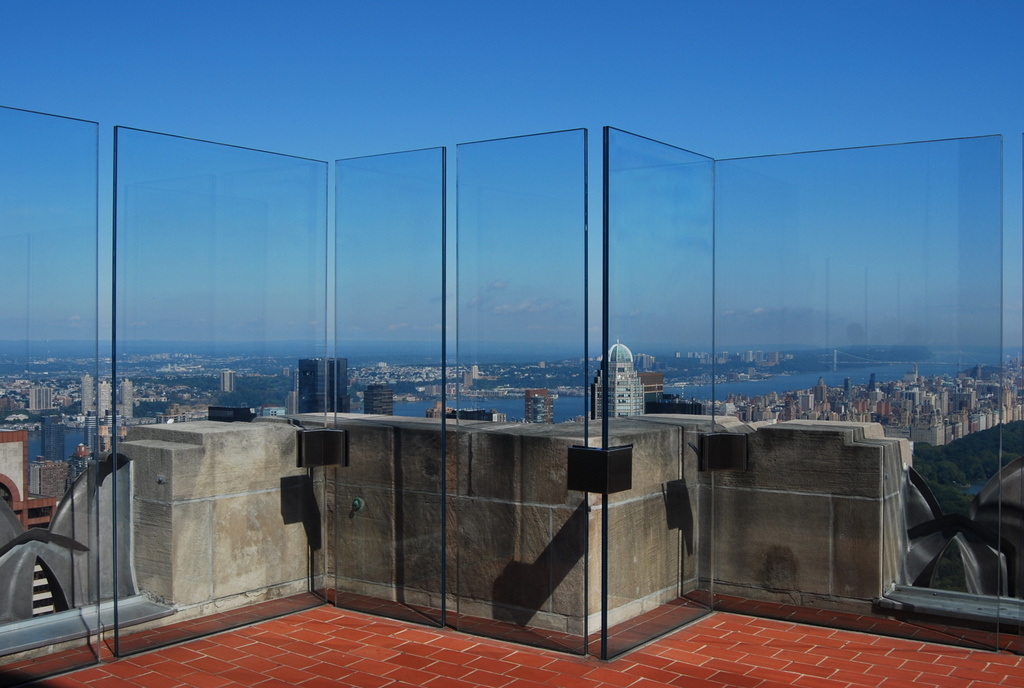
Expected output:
(219, 513)
(816, 520)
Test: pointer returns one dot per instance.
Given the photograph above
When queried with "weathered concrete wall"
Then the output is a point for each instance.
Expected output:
(517, 537)
(221, 515)
(814, 520)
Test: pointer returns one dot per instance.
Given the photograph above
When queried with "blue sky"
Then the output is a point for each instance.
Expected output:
(329, 80)
(340, 79)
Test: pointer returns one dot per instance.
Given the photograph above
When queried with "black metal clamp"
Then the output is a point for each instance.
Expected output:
(604, 471)
(323, 447)
(723, 451)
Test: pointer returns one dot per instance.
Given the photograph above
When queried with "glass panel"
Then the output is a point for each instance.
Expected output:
(1013, 296)
(521, 402)
(49, 535)
(658, 337)
(220, 309)
(858, 310)
(389, 538)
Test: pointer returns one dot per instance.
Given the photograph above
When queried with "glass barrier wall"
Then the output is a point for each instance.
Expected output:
(389, 322)
(220, 362)
(51, 550)
(659, 238)
(863, 286)
(521, 379)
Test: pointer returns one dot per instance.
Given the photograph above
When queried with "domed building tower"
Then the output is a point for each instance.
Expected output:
(625, 390)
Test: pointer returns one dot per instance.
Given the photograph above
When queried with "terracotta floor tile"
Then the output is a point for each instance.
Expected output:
(199, 680)
(171, 669)
(449, 669)
(315, 682)
(856, 678)
(210, 665)
(446, 682)
(495, 666)
(486, 679)
(327, 646)
(804, 681)
(112, 682)
(531, 674)
(363, 680)
(408, 675)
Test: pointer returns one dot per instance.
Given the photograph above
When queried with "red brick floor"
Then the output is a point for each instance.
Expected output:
(326, 646)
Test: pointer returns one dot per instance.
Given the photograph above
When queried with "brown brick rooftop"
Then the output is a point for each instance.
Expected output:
(326, 646)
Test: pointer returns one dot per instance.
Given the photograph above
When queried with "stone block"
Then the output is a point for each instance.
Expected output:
(371, 453)
(545, 463)
(366, 543)
(644, 557)
(492, 467)
(252, 548)
(154, 463)
(857, 546)
(418, 550)
(657, 454)
(237, 457)
(191, 567)
(153, 548)
(772, 540)
(487, 543)
(816, 458)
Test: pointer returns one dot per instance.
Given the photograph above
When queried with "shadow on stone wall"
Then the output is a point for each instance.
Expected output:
(522, 589)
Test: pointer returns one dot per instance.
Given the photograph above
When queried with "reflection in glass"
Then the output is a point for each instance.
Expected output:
(864, 286)
(220, 305)
(658, 326)
(50, 547)
(389, 534)
(521, 357)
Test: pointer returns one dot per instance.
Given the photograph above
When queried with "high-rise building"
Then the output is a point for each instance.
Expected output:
(48, 478)
(40, 398)
(625, 390)
(91, 430)
(379, 399)
(820, 391)
(88, 394)
(227, 381)
(654, 385)
(103, 400)
(323, 385)
(126, 398)
(53, 439)
(539, 406)
(78, 462)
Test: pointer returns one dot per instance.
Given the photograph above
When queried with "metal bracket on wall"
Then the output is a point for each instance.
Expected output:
(723, 451)
(604, 471)
(323, 447)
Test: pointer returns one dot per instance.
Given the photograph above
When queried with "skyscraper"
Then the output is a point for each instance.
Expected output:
(40, 398)
(227, 381)
(323, 385)
(48, 478)
(88, 394)
(91, 430)
(126, 399)
(379, 399)
(53, 439)
(103, 400)
(625, 390)
(820, 391)
(539, 406)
